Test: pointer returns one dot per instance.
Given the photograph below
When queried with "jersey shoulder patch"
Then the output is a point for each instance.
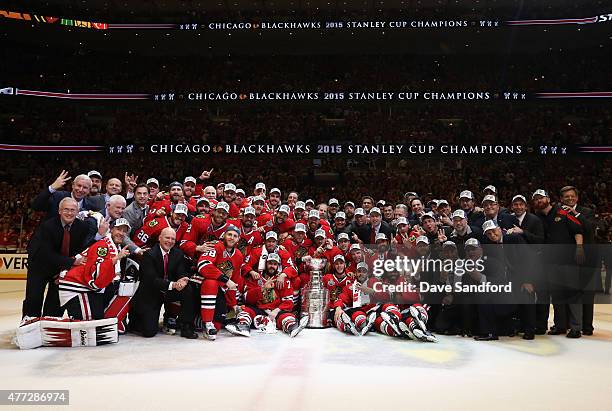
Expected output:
(102, 251)
(153, 223)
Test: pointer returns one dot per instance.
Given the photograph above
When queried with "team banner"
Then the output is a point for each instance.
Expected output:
(243, 96)
(291, 26)
(13, 266)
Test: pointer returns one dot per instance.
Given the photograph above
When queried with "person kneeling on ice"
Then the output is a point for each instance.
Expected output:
(268, 300)
(82, 288)
(353, 311)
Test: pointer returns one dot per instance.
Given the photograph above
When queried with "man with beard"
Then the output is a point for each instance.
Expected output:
(280, 222)
(315, 223)
(274, 200)
(261, 213)
(240, 198)
(149, 233)
(249, 236)
(353, 311)
(219, 278)
(268, 299)
(299, 213)
(203, 231)
(189, 196)
(492, 212)
(356, 256)
(163, 205)
(474, 214)
(254, 263)
(462, 231)
(229, 196)
(563, 255)
(297, 245)
(382, 251)
(349, 210)
(202, 207)
(219, 191)
(360, 231)
(96, 183)
(339, 225)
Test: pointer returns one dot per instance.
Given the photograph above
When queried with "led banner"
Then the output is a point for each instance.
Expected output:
(13, 266)
(291, 26)
(402, 149)
(354, 96)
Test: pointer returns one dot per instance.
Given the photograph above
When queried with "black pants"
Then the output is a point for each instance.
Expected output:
(495, 319)
(144, 316)
(35, 293)
(86, 306)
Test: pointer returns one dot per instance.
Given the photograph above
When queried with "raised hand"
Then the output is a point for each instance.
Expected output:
(60, 180)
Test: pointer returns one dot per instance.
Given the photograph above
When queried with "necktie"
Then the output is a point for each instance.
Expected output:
(373, 236)
(66, 241)
(166, 266)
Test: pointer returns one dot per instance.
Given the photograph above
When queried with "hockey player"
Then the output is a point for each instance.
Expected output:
(274, 200)
(149, 232)
(254, 263)
(204, 230)
(280, 222)
(219, 278)
(353, 311)
(81, 288)
(336, 279)
(269, 298)
(315, 223)
(250, 237)
(229, 196)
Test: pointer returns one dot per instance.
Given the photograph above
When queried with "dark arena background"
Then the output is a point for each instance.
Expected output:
(414, 108)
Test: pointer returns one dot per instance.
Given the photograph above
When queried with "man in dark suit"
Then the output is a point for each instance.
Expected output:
(492, 212)
(512, 250)
(163, 277)
(48, 200)
(589, 274)
(378, 225)
(530, 227)
(50, 251)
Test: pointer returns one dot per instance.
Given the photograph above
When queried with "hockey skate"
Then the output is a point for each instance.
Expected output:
(296, 328)
(169, 327)
(371, 318)
(421, 334)
(348, 323)
(210, 332)
(239, 329)
(418, 317)
(392, 321)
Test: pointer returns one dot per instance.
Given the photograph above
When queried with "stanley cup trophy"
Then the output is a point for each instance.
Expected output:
(315, 297)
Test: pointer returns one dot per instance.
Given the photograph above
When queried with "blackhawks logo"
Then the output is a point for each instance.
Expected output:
(153, 223)
(242, 245)
(102, 251)
(268, 295)
(226, 268)
(301, 252)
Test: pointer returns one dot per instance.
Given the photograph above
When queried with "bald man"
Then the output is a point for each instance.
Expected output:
(164, 274)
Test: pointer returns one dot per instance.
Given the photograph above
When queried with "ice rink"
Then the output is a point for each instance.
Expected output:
(318, 370)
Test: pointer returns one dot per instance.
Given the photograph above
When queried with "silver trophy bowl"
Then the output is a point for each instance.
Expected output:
(315, 297)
